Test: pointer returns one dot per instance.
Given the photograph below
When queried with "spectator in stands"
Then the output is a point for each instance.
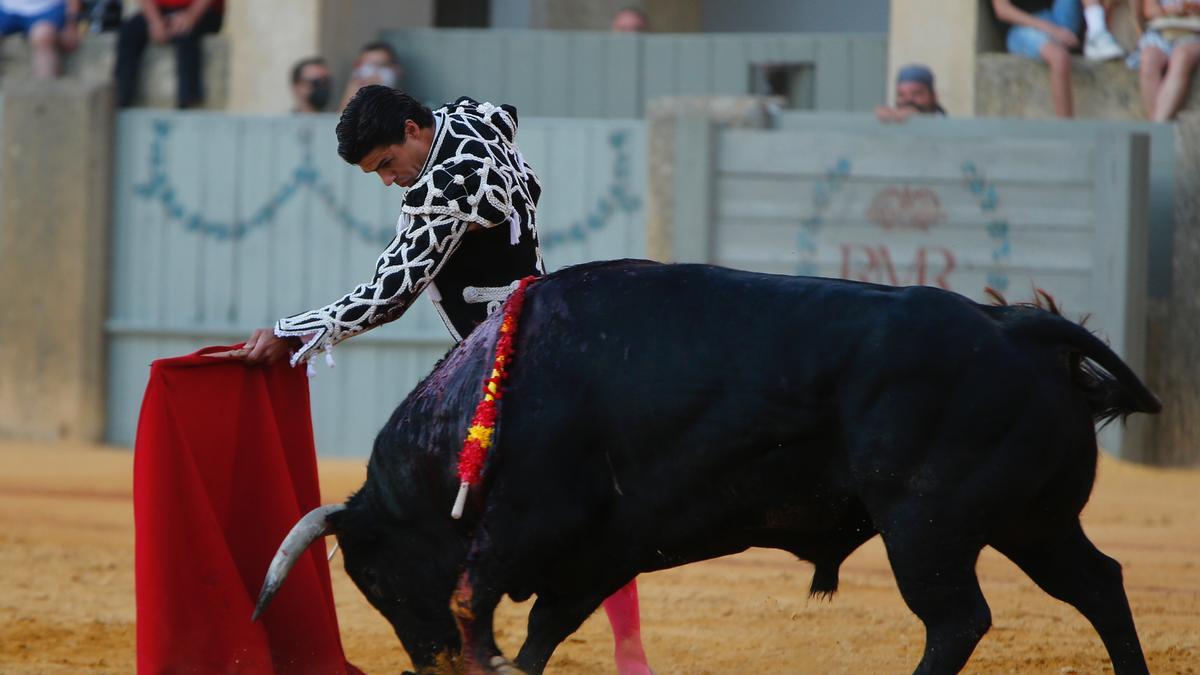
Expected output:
(915, 95)
(312, 85)
(629, 20)
(182, 22)
(103, 15)
(377, 63)
(49, 25)
(1166, 55)
(1049, 29)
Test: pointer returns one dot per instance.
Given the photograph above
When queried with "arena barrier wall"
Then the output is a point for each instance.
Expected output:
(225, 223)
(591, 74)
(1163, 158)
(1012, 207)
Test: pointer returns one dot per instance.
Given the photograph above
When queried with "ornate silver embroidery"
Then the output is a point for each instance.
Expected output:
(494, 296)
(456, 191)
(401, 273)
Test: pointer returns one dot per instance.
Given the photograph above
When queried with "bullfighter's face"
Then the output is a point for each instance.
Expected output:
(400, 163)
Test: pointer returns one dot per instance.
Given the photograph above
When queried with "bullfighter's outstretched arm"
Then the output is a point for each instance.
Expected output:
(422, 245)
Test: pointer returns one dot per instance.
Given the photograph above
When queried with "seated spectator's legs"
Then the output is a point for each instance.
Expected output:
(1059, 60)
(42, 31)
(1068, 14)
(1181, 63)
(131, 42)
(188, 61)
(1035, 44)
(1026, 41)
(1150, 74)
(43, 42)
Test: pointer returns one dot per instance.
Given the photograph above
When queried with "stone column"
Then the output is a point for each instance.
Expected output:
(55, 178)
(1174, 338)
(268, 36)
(664, 116)
(945, 35)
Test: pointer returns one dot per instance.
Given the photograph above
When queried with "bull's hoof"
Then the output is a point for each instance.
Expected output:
(503, 666)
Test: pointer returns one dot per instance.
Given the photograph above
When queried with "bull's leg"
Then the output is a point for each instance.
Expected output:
(1069, 567)
(474, 605)
(935, 570)
(551, 621)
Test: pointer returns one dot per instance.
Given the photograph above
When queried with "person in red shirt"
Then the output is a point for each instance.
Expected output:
(181, 22)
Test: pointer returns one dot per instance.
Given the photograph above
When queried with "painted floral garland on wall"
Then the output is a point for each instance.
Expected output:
(618, 198)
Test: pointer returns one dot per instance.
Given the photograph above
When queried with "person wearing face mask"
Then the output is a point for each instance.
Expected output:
(377, 63)
(312, 85)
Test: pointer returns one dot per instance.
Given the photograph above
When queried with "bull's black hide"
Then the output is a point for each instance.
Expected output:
(662, 414)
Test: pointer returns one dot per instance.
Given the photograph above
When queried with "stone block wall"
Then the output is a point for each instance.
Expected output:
(1013, 86)
(94, 59)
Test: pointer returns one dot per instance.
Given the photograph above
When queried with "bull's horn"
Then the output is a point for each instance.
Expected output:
(309, 528)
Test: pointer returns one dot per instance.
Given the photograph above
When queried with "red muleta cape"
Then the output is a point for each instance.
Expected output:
(224, 465)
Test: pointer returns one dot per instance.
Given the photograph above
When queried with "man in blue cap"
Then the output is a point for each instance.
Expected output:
(915, 95)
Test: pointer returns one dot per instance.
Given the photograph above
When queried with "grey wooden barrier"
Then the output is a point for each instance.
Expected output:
(224, 223)
(927, 205)
(1161, 215)
(589, 74)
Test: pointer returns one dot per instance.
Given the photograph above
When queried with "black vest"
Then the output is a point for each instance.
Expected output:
(476, 173)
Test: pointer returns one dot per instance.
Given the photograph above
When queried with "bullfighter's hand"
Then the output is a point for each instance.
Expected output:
(264, 347)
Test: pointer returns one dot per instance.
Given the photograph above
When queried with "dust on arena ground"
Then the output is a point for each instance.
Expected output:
(67, 604)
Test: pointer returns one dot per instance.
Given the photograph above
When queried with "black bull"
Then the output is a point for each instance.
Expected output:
(658, 415)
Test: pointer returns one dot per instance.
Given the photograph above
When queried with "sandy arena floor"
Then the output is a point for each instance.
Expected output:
(66, 589)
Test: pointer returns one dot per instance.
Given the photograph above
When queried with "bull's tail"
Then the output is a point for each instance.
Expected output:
(1111, 388)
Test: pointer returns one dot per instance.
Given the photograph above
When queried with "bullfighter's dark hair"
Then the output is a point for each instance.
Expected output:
(376, 117)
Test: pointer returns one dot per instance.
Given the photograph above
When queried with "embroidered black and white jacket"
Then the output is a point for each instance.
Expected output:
(474, 176)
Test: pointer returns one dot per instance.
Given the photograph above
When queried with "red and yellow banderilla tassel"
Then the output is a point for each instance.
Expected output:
(481, 433)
